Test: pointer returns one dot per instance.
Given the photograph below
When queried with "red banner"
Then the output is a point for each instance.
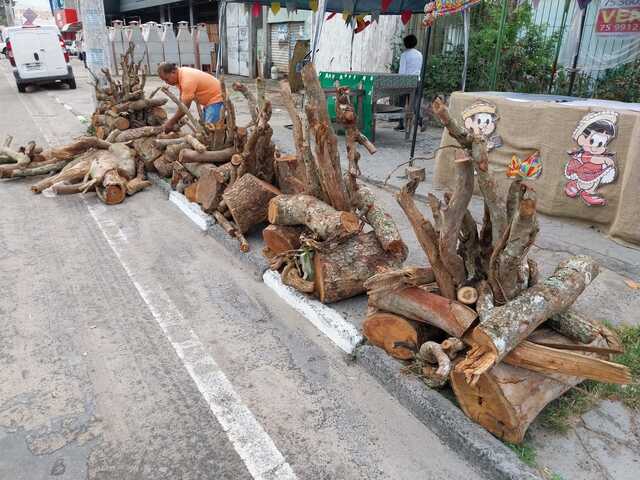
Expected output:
(619, 20)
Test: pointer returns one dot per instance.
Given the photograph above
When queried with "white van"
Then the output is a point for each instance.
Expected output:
(38, 55)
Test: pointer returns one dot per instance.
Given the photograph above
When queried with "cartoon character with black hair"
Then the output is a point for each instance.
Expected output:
(591, 165)
(480, 119)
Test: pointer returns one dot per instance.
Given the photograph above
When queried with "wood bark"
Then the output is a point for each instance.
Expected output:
(399, 279)
(417, 304)
(280, 238)
(210, 189)
(134, 133)
(341, 271)
(250, 97)
(320, 218)
(506, 326)
(287, 175)
(575, 326)
(248, 201)
(217, 156)
(506, 399)
(327, 157)
(383, 225)
(428, 239)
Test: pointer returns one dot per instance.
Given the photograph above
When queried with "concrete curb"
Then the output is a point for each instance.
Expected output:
(324, 318)
(482, 450)
(252, 259)
(473, 443)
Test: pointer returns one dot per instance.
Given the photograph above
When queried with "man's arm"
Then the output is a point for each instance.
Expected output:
(173, 121)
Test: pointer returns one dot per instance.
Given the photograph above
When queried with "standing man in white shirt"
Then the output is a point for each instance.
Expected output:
(410, 64)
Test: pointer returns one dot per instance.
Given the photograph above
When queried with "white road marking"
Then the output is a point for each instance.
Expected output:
(252, 443)
(326, 319)
(254, 446)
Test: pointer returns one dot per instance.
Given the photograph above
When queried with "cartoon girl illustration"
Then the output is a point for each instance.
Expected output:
(591, 164)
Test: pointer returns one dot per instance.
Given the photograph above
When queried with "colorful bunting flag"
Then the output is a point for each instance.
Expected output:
(405, 16)
(275, 7)
(255, 9)
(385, 5)
(313, 5)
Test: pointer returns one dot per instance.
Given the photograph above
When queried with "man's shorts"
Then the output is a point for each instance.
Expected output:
(212, 112)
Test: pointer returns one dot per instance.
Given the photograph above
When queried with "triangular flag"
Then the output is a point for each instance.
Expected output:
(275, 7)
(292, 6)
(330, 16)
(255, 9)
(347, 6)
(345, 16)
(375, 16)
(313, 5)
(535, 3)
(361, 24)
(385, 5)
(405, 17)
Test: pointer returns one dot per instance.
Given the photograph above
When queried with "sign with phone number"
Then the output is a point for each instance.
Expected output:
(618, 17)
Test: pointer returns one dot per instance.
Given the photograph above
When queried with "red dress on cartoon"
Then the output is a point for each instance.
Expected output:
(586, 175)
(591, 164)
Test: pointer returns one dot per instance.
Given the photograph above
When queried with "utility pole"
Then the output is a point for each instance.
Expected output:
(94, 32)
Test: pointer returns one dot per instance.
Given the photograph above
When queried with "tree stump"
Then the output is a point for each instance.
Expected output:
(248, 201)
(340, 272)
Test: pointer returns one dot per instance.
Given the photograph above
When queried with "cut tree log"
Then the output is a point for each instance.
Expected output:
(217, 156)
(73, 172)
(209, 191)
(163, 166)
(506, 399)
(340, 272)
(383, 225)
(288, 175)
(320, 218)
(34, 169)
(575, 326)
(19, 158)
(542, 359)
(427, 237)
(399, 279)
(248, 201)
(327, 156)
(506, 326)
(467, 295)
(71, 150)
(134, 133)
(417, 304)
(291, 277)
(394, 334)
(281, 238)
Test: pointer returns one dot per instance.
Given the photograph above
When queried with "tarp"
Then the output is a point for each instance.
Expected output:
(396, 7)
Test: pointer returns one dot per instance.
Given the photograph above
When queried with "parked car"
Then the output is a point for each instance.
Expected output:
(38, 56)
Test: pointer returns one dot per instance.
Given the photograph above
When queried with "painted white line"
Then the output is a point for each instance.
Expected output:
(68, 107)
(191, 210)
(254, 446)
(326, 319)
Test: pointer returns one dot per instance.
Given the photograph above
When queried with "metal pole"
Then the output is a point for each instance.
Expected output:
(318, 29)
(222, 34)
(191, 20)
(98, 54)
(572, 78)
(418, 97)
(563, 25)
(496, 60)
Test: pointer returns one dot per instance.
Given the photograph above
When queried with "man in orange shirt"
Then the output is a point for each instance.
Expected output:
(194, 85)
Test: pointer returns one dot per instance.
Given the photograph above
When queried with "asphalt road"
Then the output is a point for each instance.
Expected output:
(134, 347)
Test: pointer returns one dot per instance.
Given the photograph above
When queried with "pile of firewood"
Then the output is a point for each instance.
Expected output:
(227, 169)
(86, 164)
(327, 234)
(480, 317)
(122, 104)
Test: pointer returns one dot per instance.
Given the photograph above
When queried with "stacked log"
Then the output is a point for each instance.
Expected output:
(316, 238)
(507, 341)
(122, 104)
(227, 169)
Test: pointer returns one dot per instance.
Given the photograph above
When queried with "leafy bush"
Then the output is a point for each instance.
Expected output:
(526, 57)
